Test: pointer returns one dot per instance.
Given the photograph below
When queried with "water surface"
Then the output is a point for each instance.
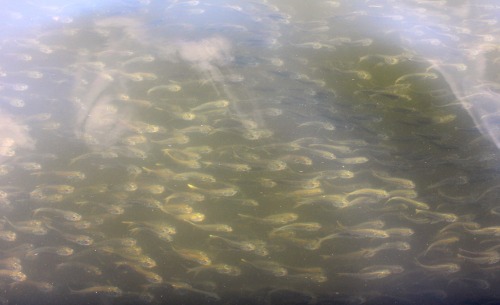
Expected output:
(249, 152)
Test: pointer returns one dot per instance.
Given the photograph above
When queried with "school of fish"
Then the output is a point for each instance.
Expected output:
(239, 152)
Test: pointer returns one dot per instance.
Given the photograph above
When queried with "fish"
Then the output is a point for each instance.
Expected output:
(159, 228)
(149, 276)
(187, 159)
(270, 267)
(60, 189)
(299, 226)
(311, 244)
(318, 124)
(110, 291)
(257, 162)
(321, 153)
(238, 167)
(335, 201)
(310, 277)
(413, 76)
(445, 268)
(492, 230)
(99, 154)
(155, 189)
(219, 268)
(130, 253)
(224, 192)
(13, 275)
(401, 182)
(436, 216)
(187, 287)
(68, 215)
(191, 217)
(41, 286)
(139, 59)
(212, 227)
(8, 235)
(343, 149)
(387, 59)
(296, 159)
(308, 192)
(87, 268)
(132, 152)
(176, 209)
(202, 149)
(122, 242)
(375, 193)
(275, 219)
(371, 224)
(469, 282)
(80, 239)
(304, 184)
(178, 138)
(488, 257)
(69, 175)
(241, 201)
(202, 129)
(193, 255)
(334, 174)
(136, 102)
(366, 253)
(352, 160)
(416, 204)
(257, 134)
(211, 105)
(197, 176)
(440, 243)
(11, 263)
(170, 88)
(400, 231)
(361, 232)
(61, 251)
(239, 245)
(407, 193)
(460, 224)
(368, 275)
(458, 180)
(184, 197)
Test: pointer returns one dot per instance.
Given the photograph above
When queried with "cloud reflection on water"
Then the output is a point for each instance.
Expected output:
(13, 135)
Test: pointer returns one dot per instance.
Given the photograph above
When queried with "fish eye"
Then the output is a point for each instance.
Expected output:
(75, 217)
(86, 241)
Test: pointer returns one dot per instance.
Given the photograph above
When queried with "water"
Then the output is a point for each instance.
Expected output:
(249, 152)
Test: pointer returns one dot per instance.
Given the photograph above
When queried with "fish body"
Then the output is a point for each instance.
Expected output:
(111, 291)
(275, 219)
(271, 267)
(440, 268)
(193, 255)
(416, 204)
(437, 216)
(219, 268)
(401, 182)
(68, 215)
(239, 245)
